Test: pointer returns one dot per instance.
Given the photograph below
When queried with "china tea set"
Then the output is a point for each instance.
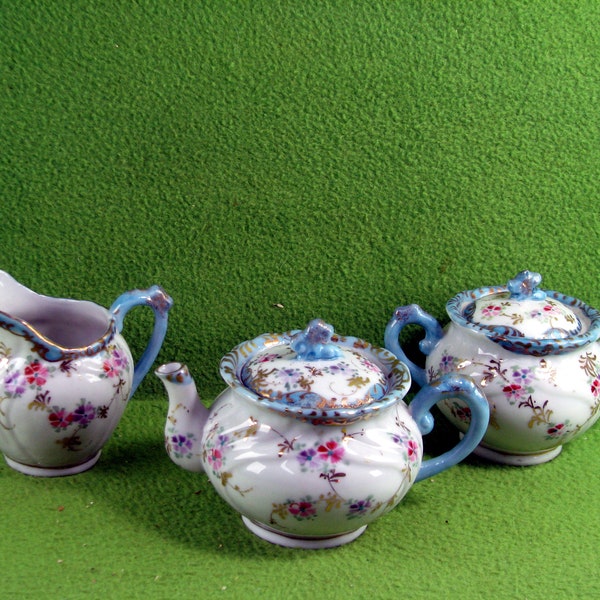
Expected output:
(311, 440)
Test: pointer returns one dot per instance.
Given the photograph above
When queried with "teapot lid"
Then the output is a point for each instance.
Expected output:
(526, 319)
(316, 374)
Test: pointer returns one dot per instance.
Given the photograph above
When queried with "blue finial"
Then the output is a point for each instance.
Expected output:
(314, 342)
(525, 286)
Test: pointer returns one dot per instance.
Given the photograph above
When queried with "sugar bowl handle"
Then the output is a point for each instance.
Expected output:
(406, 315)
(456, 386)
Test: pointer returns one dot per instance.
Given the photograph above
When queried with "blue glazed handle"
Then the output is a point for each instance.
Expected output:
(406, 315)
(157, 299)
(454, 386)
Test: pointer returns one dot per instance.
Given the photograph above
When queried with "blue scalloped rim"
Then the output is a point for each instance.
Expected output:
(397, 375)
(44, 347)
(459, 306)
(49, 350)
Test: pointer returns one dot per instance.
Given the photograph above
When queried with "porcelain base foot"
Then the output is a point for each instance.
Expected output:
(308, 543)
(517, 460)
(52, 471)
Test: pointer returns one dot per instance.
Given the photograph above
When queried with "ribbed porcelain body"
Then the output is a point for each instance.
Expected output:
(537, 403)
(309, 480)
(534, 353)
(311, 440)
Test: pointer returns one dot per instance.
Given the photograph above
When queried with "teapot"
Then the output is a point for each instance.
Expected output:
(535, 354)
(311, 440)
(66, 375)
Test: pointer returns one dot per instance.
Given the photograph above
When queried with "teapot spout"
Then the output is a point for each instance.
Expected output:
(185, 419)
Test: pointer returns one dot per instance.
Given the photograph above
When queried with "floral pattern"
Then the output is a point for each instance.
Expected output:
(404, 439)
(327, 459)
(348, 381)
(543, 318)
(517, 385)
(32, 377)
(217, 448)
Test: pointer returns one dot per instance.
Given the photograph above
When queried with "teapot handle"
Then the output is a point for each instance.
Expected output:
(406, 315)
(158, 300)
(455, 386)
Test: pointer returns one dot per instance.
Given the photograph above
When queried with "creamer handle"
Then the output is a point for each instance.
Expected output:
(157, 299)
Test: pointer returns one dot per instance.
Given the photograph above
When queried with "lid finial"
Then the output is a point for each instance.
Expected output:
(525, 286)
(314, 342)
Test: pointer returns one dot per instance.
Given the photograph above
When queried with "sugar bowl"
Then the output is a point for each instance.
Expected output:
(533, 352)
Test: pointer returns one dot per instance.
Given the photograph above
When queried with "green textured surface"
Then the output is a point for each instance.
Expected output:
(334, 158)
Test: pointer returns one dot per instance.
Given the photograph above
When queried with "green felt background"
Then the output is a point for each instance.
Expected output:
(334, 158)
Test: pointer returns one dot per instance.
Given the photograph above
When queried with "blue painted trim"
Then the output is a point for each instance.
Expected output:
(47, 349)
(455, 386)
(524, 286)
(460, 308)
(406, 315)
(156, 298)
(397, 375)
(314, 343)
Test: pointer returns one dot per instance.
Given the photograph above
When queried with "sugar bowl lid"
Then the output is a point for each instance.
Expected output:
(316, 374)
(526, 319)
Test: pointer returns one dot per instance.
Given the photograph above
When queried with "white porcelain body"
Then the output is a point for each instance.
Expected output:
(537, 403)
(310, 463)
(66, 374)
(534, 353)
(303, 480)
(57, 415)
